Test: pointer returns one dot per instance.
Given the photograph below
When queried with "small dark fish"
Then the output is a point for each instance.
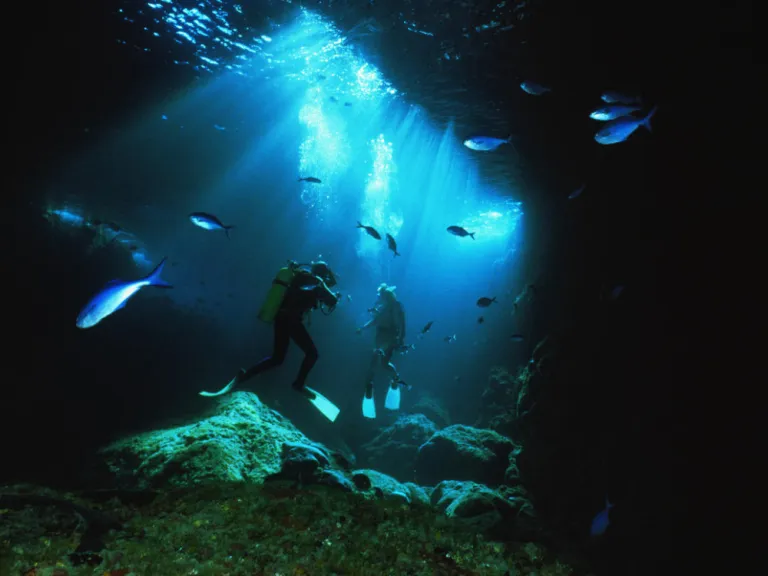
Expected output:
(517, 337)
(208, 222)
(405, 348)
(616, 292)
(426, 328)
(333, 99)
(459, 231)
(321, 76)
(311, 179)
(480, 320)
(601, 521)
(370, 230)
(347, 104)
(576, 193)
(449, 339)
(534, 88)
(484, 302)
(613, 97)
(392, 245)
(133, 247)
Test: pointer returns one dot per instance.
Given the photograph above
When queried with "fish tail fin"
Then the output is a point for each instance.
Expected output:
(300, 179)
(154, 276)
(226, 231)
(472, 234)
(397, 253)
(647, 120)
(359, 225)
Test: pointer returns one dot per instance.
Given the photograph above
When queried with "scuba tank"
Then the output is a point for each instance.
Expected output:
(277, 292)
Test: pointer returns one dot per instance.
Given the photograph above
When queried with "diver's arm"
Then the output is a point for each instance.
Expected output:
(326, 296)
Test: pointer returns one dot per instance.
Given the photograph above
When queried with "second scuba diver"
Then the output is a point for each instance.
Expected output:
(389, 319)
(295, 292)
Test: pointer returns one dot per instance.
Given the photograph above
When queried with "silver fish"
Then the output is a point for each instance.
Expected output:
(485, 143)
(208, 222)
(114, 296)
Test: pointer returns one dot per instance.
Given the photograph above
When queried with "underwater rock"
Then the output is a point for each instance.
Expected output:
(502, 512)
(430, 407)
(387, 487)
(464, 453)
(394, 449)
(420, 494)
(242, 441)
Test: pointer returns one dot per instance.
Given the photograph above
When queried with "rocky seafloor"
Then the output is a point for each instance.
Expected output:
(274, 529)
(242, 491)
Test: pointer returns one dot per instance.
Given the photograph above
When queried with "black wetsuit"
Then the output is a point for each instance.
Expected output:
(289, 326)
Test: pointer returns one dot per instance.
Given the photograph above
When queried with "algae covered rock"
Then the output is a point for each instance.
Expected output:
(243, 440)
(431, 407)
(385, 487)
(464, 453)
(394, 449)
(504, 511)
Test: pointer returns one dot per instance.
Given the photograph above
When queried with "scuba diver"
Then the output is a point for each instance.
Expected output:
(389, 319)
(296, 291)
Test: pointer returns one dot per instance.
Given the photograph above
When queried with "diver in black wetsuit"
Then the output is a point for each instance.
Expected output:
(307, 291)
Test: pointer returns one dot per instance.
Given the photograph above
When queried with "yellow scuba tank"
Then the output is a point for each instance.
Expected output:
(276, 294)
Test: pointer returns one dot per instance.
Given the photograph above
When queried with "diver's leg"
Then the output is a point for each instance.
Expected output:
(300, 335)
(375, 359)
(386, 362)
(279, 350)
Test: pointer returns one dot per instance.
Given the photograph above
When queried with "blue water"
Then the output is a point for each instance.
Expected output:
(302, 102)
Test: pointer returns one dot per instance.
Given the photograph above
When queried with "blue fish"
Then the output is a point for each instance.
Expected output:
(485, 143)
(534, 89)
(613, 97)
(622, 128)
(208, 222)
(601, 521)
(612, 112)
(576, 193)
(114, 296)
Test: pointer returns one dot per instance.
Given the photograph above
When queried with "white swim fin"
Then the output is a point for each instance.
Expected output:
(326, 407)
(369, 407)
(392, 401)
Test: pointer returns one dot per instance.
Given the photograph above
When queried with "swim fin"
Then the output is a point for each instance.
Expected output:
(228, 388)
(369, 407)
(326, 407)
(392, 401)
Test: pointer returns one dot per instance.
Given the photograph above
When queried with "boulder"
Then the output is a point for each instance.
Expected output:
(394, 449)
(464, 453)
(242, 440)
